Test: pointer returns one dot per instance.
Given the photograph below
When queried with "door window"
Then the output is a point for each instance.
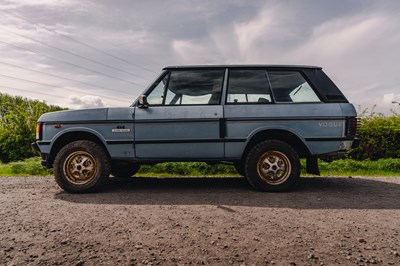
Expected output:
(189, 87)
(248, 86)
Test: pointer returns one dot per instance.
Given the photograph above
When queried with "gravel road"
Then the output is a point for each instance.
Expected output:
(211, 221)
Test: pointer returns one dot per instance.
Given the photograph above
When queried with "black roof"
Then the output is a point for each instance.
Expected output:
(242, 66)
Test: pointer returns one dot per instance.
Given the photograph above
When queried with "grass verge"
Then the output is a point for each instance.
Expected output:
(344, 167)
(349, 167)
(28, 167)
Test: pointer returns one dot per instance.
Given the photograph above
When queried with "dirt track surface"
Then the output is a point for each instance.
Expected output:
(176, 221)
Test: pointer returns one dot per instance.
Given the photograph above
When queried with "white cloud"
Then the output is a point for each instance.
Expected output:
(270, 26)
(86, 101)
(194, 51)
(342, 37)
(186, 49)
(389, 98)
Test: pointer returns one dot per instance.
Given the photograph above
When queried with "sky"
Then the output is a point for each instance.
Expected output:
(83, 53)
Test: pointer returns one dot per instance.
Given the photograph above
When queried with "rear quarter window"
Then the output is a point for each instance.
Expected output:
(291, 87)
(325, 86)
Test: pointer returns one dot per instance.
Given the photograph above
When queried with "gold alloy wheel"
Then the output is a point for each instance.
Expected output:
(80, 168)
(274, 167)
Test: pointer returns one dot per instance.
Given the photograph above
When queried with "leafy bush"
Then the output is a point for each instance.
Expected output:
(380, 138)
(18, 118)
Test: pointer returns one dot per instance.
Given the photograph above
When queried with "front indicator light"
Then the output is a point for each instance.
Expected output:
(38, 131)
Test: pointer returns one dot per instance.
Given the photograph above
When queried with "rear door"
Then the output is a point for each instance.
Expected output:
(182, 120)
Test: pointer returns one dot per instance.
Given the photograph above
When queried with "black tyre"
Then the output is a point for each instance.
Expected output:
(272, 165)
(124, 169)
(81, 166)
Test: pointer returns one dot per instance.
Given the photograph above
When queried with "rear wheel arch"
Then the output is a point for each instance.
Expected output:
(282, 135)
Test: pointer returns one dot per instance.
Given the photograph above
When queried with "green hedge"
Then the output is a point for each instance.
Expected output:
(18, 118)
(380, 138)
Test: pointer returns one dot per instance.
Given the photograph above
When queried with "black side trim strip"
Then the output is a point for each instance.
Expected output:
(183, 159)
(255, 119)
(43, 142)
(194, 120)
(328, 139)
(172, 141)
(235, 140)
(112, 142)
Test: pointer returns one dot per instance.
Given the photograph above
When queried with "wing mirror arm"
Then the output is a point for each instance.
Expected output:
(143, 102)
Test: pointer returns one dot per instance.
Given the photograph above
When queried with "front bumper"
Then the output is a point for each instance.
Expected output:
(45, 157)
(35, 147)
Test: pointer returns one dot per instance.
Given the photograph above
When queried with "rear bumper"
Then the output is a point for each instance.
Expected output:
(356, 143)
(345, 147)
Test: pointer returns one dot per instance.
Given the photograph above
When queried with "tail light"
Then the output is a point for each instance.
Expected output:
(352, 126)
(38, 131)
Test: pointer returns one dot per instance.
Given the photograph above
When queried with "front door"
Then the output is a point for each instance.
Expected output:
(183, 118)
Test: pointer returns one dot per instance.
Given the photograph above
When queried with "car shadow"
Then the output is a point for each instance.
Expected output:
(311, 193)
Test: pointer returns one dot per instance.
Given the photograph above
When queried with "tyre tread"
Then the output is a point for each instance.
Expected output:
(91, 147)
(253, 178)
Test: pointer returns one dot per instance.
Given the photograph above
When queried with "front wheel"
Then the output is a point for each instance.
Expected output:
(272, 165)
(81, 166)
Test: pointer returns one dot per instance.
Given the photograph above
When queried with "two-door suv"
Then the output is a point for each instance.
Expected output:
(260, 118)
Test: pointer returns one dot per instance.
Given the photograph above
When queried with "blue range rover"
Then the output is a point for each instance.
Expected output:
(260, 118)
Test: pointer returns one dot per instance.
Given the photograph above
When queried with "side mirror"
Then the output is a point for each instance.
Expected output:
(143, 102)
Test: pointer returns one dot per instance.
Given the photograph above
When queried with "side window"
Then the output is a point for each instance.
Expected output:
(156, 96)
(291, 87)
(248, 86)
(191, 87)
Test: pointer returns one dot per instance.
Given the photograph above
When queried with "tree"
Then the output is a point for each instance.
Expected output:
(18, 118)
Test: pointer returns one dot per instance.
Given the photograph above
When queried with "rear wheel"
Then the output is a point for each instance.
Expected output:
(272, 165)
(81, 166)
(124, 169)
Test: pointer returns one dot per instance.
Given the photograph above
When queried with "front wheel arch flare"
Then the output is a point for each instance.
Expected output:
(69, 137)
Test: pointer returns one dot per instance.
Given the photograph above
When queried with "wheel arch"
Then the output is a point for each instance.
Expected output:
(283, 135)
(70, 136)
